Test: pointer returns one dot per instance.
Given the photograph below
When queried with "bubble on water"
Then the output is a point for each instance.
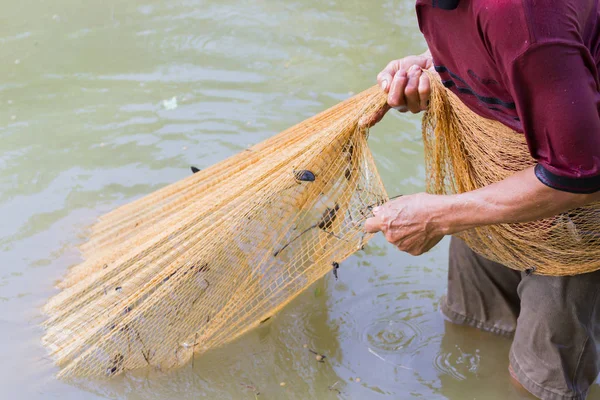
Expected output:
(389, 335)
(13, 117)
(17, 61)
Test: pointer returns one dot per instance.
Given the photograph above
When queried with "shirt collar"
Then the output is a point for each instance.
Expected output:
(445, 4)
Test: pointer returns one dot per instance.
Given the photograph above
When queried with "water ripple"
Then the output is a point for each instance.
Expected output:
(391, 335)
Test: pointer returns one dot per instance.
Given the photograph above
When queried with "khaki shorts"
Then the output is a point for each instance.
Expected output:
(555, 321)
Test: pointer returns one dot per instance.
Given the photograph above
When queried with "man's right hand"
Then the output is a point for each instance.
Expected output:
(407, 86)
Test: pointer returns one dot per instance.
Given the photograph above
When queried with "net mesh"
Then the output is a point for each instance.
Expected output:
(199, 262)
(465, 152)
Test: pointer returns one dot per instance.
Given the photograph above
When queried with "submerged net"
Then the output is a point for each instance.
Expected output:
(465, 152)
(199, 262)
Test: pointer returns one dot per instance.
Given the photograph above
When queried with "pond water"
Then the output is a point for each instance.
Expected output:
(103, 102)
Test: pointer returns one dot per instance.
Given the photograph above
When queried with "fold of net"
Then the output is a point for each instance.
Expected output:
(201, 261)
(464, 152)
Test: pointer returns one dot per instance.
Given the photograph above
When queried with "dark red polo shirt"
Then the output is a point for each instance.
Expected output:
(532, 65)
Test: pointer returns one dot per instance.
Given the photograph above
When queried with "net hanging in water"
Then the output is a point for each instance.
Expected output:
(201, 261)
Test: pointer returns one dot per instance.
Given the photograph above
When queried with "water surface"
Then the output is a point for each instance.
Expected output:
(103, 102)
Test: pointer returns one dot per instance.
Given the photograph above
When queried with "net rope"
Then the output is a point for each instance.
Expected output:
(464, 152)
(199, 262)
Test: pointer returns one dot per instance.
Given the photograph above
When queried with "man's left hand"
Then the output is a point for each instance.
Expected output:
(409, 222)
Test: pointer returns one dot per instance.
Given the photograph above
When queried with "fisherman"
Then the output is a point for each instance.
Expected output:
(534, 67)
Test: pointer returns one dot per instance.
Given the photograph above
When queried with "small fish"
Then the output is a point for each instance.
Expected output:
(328, 218)
(335, 266)
(194, 169)
(304, 175)
(348, 174)
(169, 277)
(116, 364)
(324, 223)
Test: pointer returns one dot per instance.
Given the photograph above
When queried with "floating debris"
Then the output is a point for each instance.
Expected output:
(194, 169)
(282, 384)
(251, 387)
(170, 104)
(319, 357)
(333, 388)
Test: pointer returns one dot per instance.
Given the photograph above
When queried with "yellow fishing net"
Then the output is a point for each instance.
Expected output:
(465, 152)
(198, 263)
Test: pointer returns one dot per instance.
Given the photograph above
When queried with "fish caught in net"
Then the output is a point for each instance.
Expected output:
(201, 261)
(464, 152)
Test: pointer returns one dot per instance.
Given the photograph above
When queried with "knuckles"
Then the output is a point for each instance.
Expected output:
(394, 101)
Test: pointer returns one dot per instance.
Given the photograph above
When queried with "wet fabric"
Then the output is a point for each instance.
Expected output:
(555, 321)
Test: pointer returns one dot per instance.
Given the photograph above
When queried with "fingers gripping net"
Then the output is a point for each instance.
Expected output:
(465, 152)
(198, 263)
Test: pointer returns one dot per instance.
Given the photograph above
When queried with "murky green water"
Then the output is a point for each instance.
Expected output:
(84, 128)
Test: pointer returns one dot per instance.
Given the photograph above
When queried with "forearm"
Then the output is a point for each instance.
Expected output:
(518, 198)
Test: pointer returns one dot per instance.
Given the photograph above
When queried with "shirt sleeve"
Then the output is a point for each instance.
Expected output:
(558, 102)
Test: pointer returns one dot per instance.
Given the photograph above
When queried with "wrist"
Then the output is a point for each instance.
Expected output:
(456, 213)
(442, 215)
